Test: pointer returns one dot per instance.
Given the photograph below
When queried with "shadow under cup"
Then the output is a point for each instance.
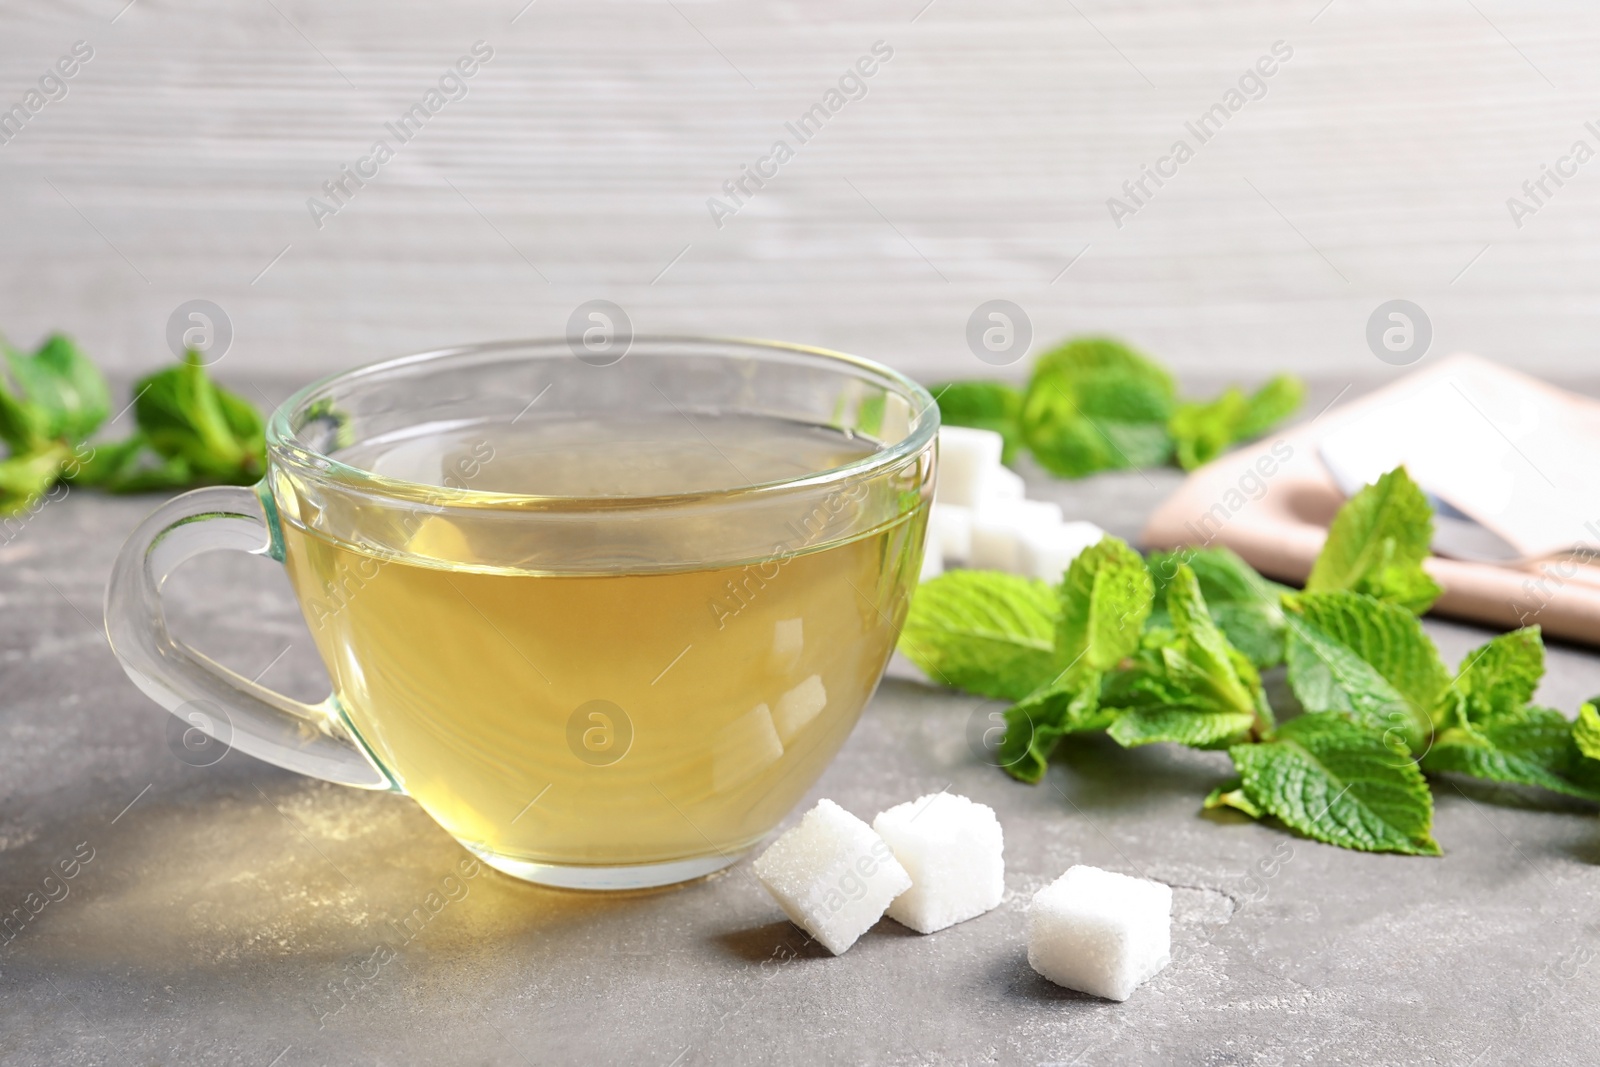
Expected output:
(606, 624)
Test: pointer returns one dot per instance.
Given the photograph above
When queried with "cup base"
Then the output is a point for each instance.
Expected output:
(626, 876)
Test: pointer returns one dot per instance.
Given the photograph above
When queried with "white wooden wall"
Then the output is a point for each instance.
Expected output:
(978, 166)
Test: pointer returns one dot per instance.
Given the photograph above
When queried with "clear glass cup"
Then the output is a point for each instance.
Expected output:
(598, 689)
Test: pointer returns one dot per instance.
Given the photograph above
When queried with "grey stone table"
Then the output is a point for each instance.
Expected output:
(224, 906)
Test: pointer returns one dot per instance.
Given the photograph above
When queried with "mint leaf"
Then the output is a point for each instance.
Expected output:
(1586, 731)
(1105, 598)
(1196, 690)
(131, 466)
(24, 427)
(26, 477)
(1275, 401)
(1201, 658)
(65, 389)
(1037, 723)
(986, 406)
(1535, 747)
(1497, 680)
(983, 631)
(1178, 726)
(105, 462)
(1338, 782)
(1232, 795)
(1203, 430)
(1348, 652)
(1377, 543)
(1095, 404)
(1245, 606)
(1487, 728)
(1102, 604)
(186, 416)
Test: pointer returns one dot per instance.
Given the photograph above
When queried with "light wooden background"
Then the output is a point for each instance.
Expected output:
(977, 167)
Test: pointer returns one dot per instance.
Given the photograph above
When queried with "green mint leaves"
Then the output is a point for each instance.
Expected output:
(985, 632)
(1348, 652)
(1488, 727)
(1536, 748)
(188, 431)
(1586, 731)
(1247, 607)
(1104, 599)
(1095, 404)
(1102, 605)
(1338, 782)
(49, 402)
(1203, 430)
(62, 395)
(985, 406)
(1170, 649)
(1193, 689)
(1377, 544)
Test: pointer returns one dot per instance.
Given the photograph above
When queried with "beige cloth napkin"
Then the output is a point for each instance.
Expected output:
(1513, 465)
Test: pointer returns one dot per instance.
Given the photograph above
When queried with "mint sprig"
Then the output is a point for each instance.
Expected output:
(1247, 607)
(1339, 782)
(1351, 653)
(1377, 543)
(1094, 404)
(50, 401)
(1490, 729)
(1195, 689)
(188, 431)
(1203, 430)
(1153, 650)
(1102, 605)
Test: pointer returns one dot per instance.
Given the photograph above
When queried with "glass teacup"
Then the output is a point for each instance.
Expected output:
(605, 623)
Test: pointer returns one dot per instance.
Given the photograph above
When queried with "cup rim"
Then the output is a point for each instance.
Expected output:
(286, 449)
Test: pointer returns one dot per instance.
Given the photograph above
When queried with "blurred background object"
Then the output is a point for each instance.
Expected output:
(979, 160)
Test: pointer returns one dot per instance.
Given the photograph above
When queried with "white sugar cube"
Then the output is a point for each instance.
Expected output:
(1001, 483)
(799, 706)
(788, 642)
(832, 875)
(932, 550)
(1099, 932)
(1047, 551)
(967, 458)
(997, 529)
(950, 526)
(952, 849)
(744, 748)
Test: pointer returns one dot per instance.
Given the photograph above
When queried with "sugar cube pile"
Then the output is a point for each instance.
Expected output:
(832, 875)
(928, 864)
(938, 860)
(981, 518)
(952, 849)
(1100, 932)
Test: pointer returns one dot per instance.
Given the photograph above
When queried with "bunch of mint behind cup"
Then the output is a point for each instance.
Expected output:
(187, 431)
(1095, 404)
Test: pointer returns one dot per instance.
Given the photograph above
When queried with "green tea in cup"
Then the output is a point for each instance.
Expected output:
(606, 625)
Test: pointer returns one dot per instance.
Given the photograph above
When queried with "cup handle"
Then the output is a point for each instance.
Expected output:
(298, 737)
